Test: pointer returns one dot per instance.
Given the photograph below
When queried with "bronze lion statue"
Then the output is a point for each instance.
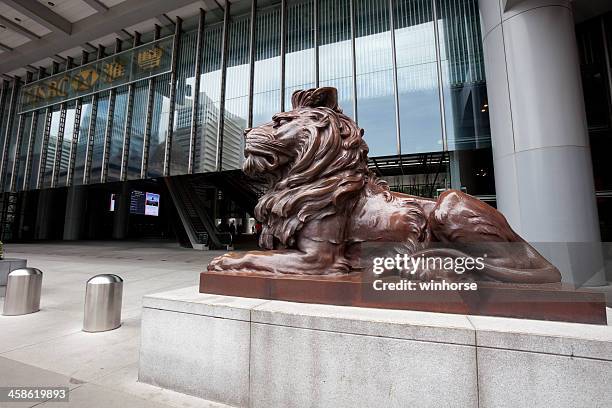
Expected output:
(324, 206)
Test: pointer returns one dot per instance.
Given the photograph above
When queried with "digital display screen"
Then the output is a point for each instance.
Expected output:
(144, 203)
(152, 204)
(112, 202)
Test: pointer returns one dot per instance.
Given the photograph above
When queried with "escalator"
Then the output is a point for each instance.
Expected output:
(198, 224)
(195, 197)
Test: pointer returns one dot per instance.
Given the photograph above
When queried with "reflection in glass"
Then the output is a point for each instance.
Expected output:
(23, 152)
(417, 72)
(375, 90)
(79, 164)
(159, 126)
(116, 143)
(467, 113)
(98, 142)
(51, 147)
(66, 144)
(335, 50)
(184, 103)
(266, 92)
(139, 114)
(300, 57)
(236, 93)
(208, 110)
(37, 141)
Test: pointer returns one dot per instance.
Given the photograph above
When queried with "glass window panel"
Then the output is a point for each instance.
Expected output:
(184, 103)
(117, 133)
(375, 93)
(38, 136)
(467, 113)
(266, 92)
(300, 56)
(52, 146)
(79, 164)
(23, 152)
(236, 93)
(335, 50)
(210, 91)
(5, 112)
(139, 117)
(66, 143)
(159, 126)
(417, 72)
(98, 142)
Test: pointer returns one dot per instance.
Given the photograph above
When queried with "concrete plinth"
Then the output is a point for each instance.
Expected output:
(8, 265)
(256, 353)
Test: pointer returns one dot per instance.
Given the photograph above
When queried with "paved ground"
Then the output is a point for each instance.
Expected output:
(101, 369)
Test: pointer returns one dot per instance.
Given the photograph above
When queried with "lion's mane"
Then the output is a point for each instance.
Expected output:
(327, 176)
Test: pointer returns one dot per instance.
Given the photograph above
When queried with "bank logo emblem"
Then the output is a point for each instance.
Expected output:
(85, 80)
(149, 59)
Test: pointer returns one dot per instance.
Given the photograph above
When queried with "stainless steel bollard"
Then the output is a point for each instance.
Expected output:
(103, 303)
(22, 292)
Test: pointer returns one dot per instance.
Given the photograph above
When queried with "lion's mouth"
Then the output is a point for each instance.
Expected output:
(263, 154)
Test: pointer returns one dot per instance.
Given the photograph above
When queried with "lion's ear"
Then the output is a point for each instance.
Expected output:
(326, 97)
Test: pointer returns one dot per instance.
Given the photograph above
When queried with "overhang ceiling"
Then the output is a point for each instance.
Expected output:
(35, 32)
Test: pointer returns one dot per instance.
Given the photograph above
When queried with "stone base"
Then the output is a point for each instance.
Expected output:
(555, 301)
(256, 353)
(8, 265)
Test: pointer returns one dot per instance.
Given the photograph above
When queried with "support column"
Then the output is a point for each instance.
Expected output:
(543, 172)
(75, 207)
(122, 212)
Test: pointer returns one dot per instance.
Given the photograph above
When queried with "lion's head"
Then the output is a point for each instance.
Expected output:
(315, 160)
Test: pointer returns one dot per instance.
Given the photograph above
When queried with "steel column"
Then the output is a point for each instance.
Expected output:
(20, 129)
(354, 58)
(7, 131)
(395, 81)
(76, 130)
(91, 133)
(283, 50)
(31, 143)
(316, 42)
(195, 108)
(59, 145)
(3, 96)
(91, 130)
(252, 61)
(173, 79)
(44, 146)
(108, 134)
(440, 77)
(127, 129)
(146, 142)
(221, 121)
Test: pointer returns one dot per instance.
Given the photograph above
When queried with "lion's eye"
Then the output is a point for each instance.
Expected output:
(280, 122)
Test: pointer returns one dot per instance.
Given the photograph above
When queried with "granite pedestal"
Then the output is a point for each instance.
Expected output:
(257, 353)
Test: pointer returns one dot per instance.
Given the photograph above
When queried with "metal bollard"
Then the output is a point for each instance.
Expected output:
(103, 303)
(22, 292)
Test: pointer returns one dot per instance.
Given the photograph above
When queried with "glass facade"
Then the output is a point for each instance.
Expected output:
(409, 71)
